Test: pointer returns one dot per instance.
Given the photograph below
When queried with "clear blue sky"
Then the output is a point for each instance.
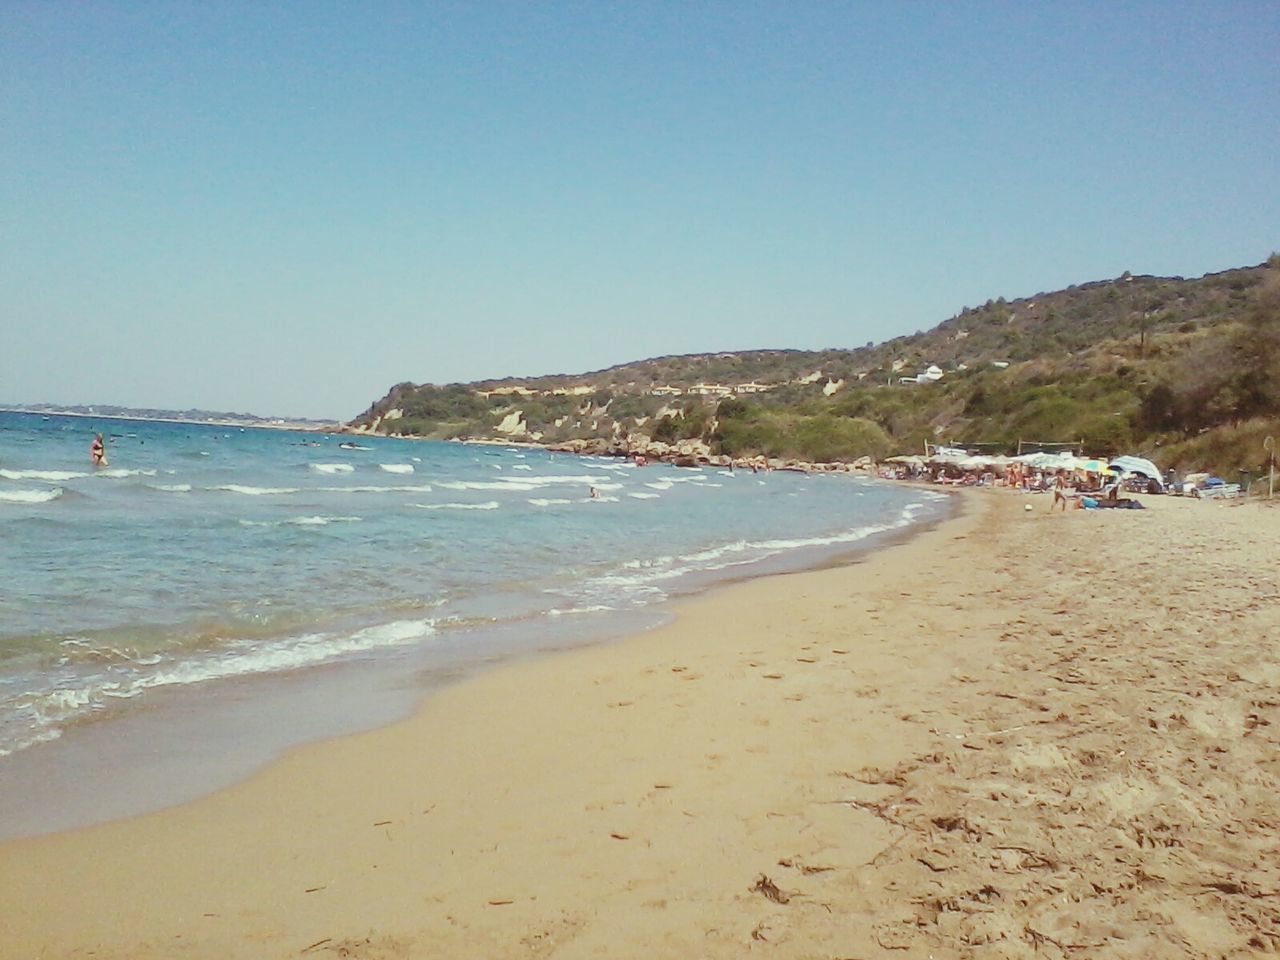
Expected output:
(286, 208)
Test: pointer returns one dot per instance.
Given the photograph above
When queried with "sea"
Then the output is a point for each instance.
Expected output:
(216, 594)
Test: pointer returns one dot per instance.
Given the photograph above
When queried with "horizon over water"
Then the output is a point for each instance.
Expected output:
(243, 566)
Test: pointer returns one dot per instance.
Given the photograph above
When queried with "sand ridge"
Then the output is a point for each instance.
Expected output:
(1017, 735)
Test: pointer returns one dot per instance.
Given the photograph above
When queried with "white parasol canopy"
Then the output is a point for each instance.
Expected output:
(1137, 465)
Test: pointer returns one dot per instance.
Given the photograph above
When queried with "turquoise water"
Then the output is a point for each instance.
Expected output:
(204, 553)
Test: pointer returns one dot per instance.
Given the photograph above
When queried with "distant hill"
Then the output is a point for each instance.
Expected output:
(1186, 370)
(152, 413)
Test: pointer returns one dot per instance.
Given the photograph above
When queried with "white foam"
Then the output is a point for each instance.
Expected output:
(253, 491)
(52, 476)
(522, 466)
(30, 496)
(661, 485)
(30, 740)
(645, 496)
(333, 468)
(60, 705)
(590, 608)
(396, 467)
(119, 473)
(171, 487)
(306, 650)
(548, 481)
(549, 502)
(487, 505)
(53, 709)
(510, 486)
(414, 488)
(316, 521)
(638, 583)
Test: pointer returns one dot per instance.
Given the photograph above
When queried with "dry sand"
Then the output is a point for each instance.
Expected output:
(1017, 735)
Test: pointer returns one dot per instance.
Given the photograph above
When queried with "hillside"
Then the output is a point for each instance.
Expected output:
(115, 412)
(1184, 370)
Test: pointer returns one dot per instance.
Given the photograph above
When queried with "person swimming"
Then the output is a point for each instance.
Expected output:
(98, 452)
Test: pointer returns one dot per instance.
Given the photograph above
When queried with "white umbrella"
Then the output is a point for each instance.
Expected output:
(1137, 465)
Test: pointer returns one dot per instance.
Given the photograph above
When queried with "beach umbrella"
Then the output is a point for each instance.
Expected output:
(1137, 465)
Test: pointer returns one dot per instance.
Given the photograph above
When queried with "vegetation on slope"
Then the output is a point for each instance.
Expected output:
(1187, 371)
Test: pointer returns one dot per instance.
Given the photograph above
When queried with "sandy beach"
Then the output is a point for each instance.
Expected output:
(1019, 734)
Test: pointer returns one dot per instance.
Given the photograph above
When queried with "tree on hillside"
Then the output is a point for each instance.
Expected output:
(1223, 380)
(1258, 350)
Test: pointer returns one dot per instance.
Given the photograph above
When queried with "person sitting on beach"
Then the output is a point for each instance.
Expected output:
(98, 452)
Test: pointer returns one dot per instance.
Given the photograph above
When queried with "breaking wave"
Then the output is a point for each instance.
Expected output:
(30, 496)
(487, 505)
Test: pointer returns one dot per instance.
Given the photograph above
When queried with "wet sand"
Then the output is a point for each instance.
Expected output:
(1016, 735)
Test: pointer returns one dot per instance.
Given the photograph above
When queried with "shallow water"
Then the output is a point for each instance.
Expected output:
(205, 554)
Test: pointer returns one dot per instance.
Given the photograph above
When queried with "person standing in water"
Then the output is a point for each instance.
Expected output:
(98, 452)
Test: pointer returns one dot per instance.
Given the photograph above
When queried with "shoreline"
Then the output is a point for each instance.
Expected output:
(186, 743)
(959, 743)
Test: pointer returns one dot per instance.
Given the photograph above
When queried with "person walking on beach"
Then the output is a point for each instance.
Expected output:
(98, 452)
(1059, 492)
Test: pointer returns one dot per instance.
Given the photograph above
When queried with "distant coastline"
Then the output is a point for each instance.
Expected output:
(207, 418)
